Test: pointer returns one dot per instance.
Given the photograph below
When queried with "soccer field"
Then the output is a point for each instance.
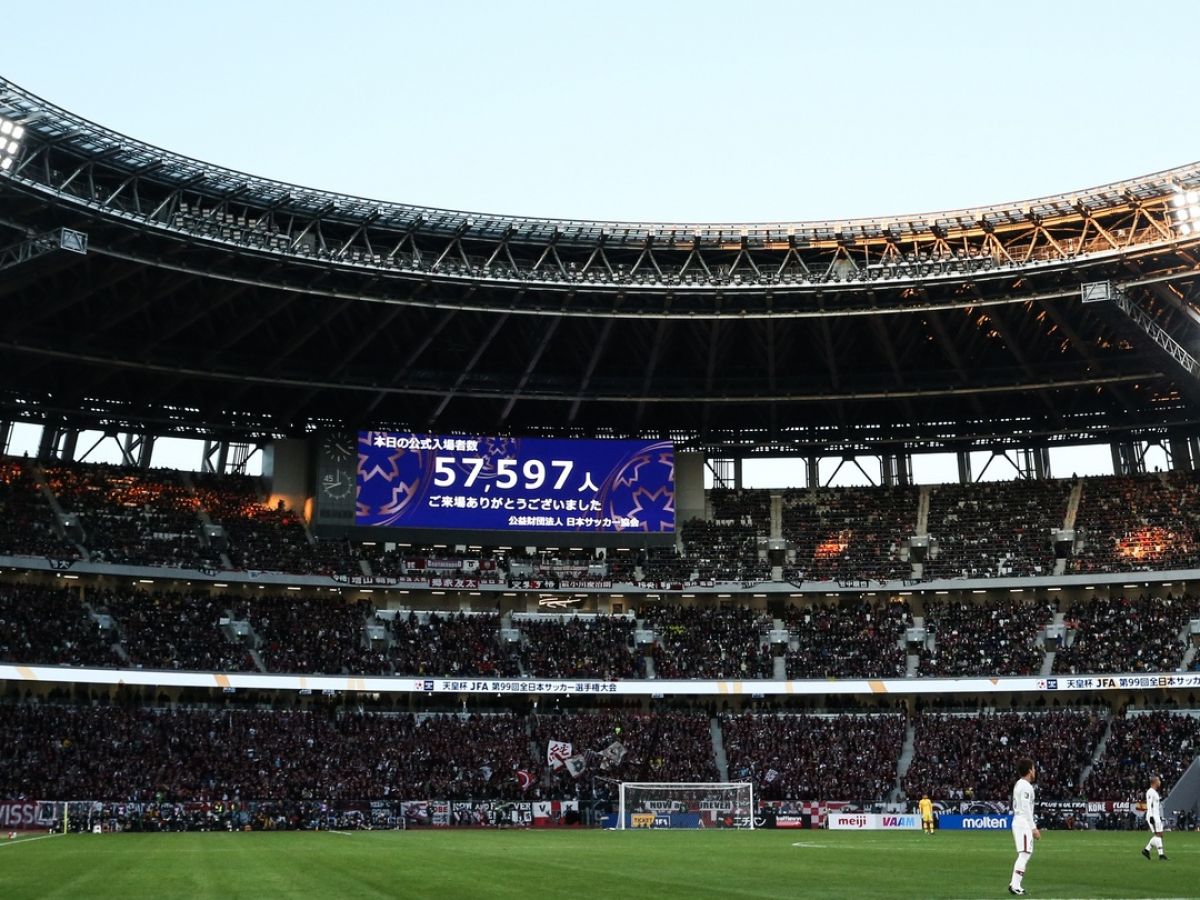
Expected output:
(592, 864)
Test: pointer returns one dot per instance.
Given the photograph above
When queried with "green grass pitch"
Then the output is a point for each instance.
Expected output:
(592, 864)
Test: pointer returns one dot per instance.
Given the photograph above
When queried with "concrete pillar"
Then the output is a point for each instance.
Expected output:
(1181, 454)
(737, 473)
(285, 467)
(964, 466)
(689, 486)
(146, 453)
(70, 440)
(813, 465)
(48, 443)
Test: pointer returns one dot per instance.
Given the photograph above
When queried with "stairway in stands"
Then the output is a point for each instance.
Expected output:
(906, 758)
(718, 741)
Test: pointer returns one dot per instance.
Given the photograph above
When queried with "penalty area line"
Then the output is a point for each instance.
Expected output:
(343, 833)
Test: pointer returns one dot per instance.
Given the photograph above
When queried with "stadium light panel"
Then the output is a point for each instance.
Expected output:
(10, 142)
(1185, 210)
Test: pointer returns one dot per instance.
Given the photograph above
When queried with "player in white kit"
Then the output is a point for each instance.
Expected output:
(1154, 819)
(1024, 824)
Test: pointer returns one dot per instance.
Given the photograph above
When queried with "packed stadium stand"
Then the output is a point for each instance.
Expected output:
(993, 529)
(970, 756)
(847, 640)
(804, 757)
(999, 637)
(854, 637)
(850, 533)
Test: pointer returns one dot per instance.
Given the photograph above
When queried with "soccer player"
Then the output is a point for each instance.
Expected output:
(1154, 820)
(1024, 825)
(926, 807)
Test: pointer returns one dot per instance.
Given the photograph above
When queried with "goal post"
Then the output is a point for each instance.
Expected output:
(686, 804)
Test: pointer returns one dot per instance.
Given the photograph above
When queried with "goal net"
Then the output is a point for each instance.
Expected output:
(686, 805)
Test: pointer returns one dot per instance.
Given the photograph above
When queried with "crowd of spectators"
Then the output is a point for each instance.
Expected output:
(1126, 634)
(451, 645)
(809, 757)
(1137, 523)
(184, 754)
(693, 642)
(131, 516)
(857, 639)
(173, 630)
(27, 526)
(52, 627)
(1158, 743)
(847, 534)
(325, 636)
(999, 637)
(579, 647)
(138, 755)
(995, 529)
(722, 550)
(265, 537)
(663, 746)
(742, 506)
(155, 517)
(973, 757)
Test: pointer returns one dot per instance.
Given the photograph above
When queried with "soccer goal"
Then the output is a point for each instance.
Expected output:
(686, 805)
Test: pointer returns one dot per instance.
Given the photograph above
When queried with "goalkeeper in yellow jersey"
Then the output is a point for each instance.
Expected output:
(926, 808)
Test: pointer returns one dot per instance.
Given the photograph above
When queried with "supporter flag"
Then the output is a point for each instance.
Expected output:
(613, 753)
(486, 772)
(771, 775)
(557, 753)
(524, 779)
(576, 765)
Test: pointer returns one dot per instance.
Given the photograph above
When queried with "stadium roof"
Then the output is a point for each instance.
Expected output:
(213, 301)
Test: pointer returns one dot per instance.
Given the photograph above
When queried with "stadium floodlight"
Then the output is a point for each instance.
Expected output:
(1185, 211)
(10, 142)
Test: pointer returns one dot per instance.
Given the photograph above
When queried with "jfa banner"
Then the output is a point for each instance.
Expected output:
(478, 482)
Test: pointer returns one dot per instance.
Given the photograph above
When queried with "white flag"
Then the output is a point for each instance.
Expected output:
(614, 753)
(576, 765)
(557, 753)
(771, 776)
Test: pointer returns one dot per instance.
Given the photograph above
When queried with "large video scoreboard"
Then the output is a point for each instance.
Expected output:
(423, 486)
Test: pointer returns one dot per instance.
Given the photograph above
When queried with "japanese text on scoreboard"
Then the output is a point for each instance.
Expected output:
(502, 483)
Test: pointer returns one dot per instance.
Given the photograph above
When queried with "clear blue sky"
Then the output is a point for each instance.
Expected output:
(696, 111)
(649, 110)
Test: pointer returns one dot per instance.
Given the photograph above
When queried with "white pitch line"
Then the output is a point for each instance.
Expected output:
(40, 837)
(343, 833)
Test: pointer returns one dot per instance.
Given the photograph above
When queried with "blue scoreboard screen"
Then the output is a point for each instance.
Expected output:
(469, 482)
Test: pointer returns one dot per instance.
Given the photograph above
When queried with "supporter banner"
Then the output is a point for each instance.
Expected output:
(978, 822)
(632, 687)
(873, 821)
(377, 580)
(479, 482)
(18, 814)
(459, 583)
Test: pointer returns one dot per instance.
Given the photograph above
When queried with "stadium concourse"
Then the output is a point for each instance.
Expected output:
(501, 558)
